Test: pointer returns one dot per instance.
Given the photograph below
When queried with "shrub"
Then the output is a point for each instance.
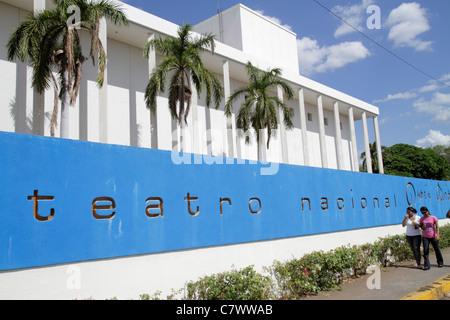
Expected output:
(319, 271)
(314, 272)
(244, 284)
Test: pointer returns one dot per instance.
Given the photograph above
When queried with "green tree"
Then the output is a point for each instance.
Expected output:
(411, 161)
(259, 110)
(183, 65)
(445, 152)
(373, 156)
(442, 150)
(50, 42)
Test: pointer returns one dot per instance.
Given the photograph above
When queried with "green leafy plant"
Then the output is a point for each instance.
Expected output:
(244, 284)
(312, 273)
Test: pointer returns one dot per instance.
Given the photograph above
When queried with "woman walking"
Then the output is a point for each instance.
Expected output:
(430, 227)
(413, 233)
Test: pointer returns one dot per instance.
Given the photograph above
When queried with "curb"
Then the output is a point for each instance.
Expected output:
(433, 291)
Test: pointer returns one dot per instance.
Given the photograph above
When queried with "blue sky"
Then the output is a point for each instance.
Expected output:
(401, 65)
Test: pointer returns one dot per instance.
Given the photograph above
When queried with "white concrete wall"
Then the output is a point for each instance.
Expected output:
(268, 41)
(128, 277)
(256, 35)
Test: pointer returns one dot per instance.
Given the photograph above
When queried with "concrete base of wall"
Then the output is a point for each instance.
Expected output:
(128, 277)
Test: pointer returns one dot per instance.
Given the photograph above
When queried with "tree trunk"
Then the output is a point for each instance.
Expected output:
(182, 135)
(65, 105)
(262, 149)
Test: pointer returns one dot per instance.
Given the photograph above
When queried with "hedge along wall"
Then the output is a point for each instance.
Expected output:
(66, 201)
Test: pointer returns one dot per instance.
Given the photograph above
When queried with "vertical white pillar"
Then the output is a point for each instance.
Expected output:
(282, 130)
(301, 106)
(351, 119)
(338, 136)
(378, 143)
(366, 143)
(230, 121)
(103, 91)
(323, 143)
(153, 117)
(38, 99)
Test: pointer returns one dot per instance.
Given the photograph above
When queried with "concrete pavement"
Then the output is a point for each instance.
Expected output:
(401, 282)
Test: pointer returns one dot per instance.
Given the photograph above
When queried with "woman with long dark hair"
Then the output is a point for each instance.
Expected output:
(413, 233)
(430, 227)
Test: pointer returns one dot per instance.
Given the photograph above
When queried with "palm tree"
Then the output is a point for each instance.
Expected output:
(183, 64)
(50, 42)
(373, 155)
(259, 110)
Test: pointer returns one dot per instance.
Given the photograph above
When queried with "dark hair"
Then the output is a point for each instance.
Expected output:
(424, 209)
(411, 209)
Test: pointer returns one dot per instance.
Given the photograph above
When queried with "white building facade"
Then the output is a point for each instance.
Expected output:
(324, 132)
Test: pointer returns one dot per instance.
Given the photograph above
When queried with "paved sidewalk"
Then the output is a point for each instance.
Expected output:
(396, 283)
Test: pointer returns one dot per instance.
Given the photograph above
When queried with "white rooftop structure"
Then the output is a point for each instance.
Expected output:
(323, 134)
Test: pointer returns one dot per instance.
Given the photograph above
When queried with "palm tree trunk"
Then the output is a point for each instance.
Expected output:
(181, 114)
(65, 104)
(262, 149)
(182, 136)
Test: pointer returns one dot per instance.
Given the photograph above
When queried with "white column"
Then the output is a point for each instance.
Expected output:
(323, 143)
(351, 119)
(338, 136)
(38, 99)
(230, 121)
(378, 143)
(301, 102)
(153, 117)
(38, 5)
(366, 143)
(282, 130)
(103, 91)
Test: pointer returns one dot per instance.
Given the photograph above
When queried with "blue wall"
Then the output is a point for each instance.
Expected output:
(71, 225)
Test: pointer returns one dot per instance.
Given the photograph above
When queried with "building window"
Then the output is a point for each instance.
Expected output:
(325, 121)
(309, 117)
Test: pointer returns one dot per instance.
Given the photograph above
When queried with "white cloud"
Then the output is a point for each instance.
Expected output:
(316, 59)
(438, 107)
(407, 22)
(274, 20)
(355, 15)
(433, 85)
(434, 138)
(402, 95)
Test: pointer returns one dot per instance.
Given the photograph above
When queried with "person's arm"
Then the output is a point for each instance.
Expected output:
(437, 229)
(404, 220)
(421, 224)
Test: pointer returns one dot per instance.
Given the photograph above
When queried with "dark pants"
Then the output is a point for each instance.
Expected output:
(426, 251)
(414, 243)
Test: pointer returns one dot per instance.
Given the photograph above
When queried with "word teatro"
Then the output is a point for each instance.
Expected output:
(104, 207)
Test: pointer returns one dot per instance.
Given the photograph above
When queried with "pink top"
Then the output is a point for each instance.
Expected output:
(429, 231)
